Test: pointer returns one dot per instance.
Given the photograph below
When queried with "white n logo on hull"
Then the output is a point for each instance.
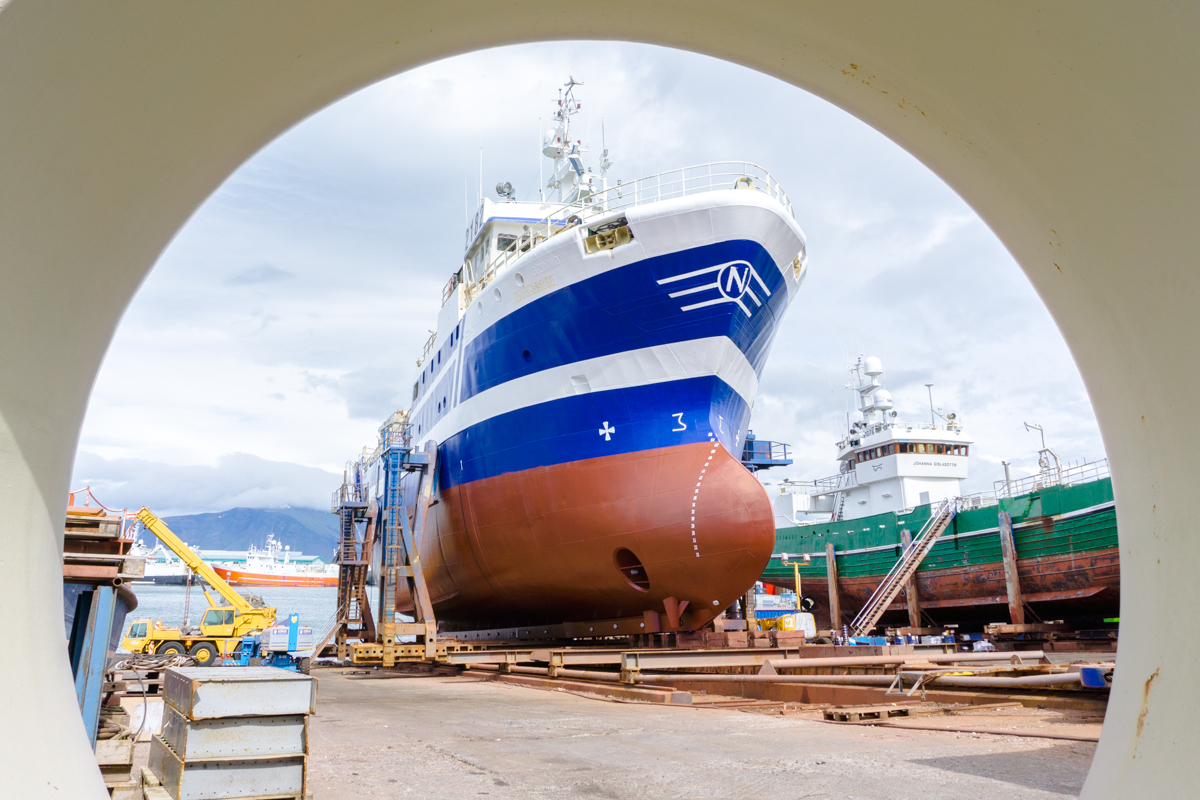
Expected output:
(734, 283)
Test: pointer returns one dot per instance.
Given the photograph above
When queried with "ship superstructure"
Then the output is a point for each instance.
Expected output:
(885, 464)
(897, 479)
(588, 389)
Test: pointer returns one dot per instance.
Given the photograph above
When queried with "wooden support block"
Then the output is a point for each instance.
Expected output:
(126, 790)
(787, 638)
(867, 713)
(910, 588)
(1012, 583)
(748, 604)
(831, 574)
(114, 752)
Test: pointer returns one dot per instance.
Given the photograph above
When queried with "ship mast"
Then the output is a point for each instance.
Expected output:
(574, 182)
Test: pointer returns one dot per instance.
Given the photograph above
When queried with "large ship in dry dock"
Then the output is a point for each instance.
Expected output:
(588, 390)
(896, 477)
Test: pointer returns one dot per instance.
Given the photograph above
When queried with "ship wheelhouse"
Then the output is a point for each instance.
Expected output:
(886, 465)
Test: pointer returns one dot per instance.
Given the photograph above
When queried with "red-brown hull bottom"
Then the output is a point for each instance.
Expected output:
(539, 546)
(238, 578)
(1057, 587)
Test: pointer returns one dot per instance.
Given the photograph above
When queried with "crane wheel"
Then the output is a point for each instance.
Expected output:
(171, 648)
(305, 665)
(204, 653)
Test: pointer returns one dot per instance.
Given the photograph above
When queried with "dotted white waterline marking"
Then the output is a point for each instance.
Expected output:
(700, 479)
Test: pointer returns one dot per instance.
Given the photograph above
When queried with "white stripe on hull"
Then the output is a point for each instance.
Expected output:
(696, 358)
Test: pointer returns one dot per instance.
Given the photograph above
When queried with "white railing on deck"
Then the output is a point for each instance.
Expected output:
(820, 486)
(1066, 476)
(676, 183)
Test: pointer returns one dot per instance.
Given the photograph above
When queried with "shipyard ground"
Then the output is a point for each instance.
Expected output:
(442, 737)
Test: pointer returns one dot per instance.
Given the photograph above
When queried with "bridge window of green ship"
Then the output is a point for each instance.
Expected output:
(631, 567)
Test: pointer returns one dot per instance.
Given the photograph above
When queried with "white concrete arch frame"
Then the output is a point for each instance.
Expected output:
(1070, 128)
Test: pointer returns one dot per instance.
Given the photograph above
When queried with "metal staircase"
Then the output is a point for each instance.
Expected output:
(354, 553)
(401, 550)
(905, 567)
(839, 507)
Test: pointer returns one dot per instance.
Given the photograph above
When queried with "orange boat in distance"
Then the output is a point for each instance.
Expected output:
(273, 567)
(293, 577)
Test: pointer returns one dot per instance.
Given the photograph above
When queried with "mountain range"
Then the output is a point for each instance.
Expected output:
(310, 531)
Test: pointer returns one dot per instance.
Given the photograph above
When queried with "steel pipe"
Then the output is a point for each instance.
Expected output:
(932, 658)
(1057, 679)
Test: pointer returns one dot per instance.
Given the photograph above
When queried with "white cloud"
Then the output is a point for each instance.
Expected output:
(262, 273)
(235, 480)
(285, 318)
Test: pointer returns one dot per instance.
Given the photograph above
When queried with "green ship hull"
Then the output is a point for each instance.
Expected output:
(1066, 545)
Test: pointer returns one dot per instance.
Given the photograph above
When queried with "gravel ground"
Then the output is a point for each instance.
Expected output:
(440, 737)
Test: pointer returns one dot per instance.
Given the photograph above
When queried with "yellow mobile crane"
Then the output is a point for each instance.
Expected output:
(223, 627)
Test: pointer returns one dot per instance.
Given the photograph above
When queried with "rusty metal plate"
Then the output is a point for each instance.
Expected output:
(213, 693)
(234, 737)
(227, 779)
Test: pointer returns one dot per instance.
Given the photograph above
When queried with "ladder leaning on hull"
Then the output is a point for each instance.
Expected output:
(905, 567)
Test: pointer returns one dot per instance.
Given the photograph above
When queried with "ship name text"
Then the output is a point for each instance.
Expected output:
(529, 290)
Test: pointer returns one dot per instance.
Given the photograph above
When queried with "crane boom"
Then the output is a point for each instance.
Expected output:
(194, 562)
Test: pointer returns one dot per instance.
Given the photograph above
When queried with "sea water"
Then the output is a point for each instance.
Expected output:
(314, 604)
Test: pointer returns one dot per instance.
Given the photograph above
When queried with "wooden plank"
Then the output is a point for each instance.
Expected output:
(89, 572)
(1012, 582)
(831, 575)
(114, 752)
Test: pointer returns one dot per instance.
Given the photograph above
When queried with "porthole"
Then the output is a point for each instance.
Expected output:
(496, 294)
(528, 356)
(520, 279)
(479, 308)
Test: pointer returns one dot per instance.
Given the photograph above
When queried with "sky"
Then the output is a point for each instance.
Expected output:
(282, 324)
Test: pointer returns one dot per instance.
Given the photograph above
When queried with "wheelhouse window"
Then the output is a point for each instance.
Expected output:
(506, 242)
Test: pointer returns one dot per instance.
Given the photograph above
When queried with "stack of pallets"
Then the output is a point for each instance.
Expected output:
(234, 732)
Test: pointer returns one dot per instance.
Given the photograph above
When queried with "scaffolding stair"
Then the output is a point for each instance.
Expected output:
(401, 552)
(355, 630)
(905, 567)
(353, 556)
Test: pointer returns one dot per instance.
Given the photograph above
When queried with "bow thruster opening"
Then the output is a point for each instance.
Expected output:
(631, 567)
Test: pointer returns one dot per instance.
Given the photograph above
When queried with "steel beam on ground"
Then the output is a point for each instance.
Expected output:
(469, 657)
(563, 657)
(632, 662)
